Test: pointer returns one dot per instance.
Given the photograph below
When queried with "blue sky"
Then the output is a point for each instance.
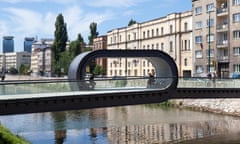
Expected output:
(36, 18)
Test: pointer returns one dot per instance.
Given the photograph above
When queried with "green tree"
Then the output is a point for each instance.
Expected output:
(24, 69)
(59, 45)
(98, 70)
(93, 32)
(76, 47)
(131, 22)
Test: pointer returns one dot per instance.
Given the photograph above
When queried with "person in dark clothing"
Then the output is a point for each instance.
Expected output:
(92, 82)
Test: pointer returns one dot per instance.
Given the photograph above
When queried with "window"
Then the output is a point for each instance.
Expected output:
(162, 46)
(185, 27)
(148, 33)
(198, 39)
(236, 68)
(211, 52)
(199, 69)
(185, 45)
(236, 17)
(152, 46)
(210, 7)
(210, 22)
(144, 34)
(157, 46)
(210, 38)
(134, 36)
(236, 51)
(198, 24)
(171, 46)
(157, 32)
(185, 62)
(152, 33)
(198, 54)
(236, 2)
(162, 31)
(198, 10)
(236, 34)
(171, 29)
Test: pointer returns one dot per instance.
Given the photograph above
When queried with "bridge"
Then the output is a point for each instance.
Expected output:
(56, 95)
(18, 97)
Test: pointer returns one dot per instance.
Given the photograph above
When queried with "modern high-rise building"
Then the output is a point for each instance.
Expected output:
(28, 41)
(8, 44)
(171, 34)
(216, 37)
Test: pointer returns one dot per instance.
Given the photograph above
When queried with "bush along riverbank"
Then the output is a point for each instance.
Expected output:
(6, 137)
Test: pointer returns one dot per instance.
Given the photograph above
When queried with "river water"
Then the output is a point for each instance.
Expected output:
(141, 124)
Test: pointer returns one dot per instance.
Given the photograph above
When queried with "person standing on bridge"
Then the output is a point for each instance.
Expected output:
(92, 82)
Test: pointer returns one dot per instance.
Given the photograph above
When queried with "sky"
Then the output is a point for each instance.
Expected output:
(36, 18)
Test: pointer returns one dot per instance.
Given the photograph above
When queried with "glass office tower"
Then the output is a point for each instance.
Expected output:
(8, 44)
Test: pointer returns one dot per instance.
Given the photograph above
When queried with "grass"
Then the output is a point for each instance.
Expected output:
(6, 137)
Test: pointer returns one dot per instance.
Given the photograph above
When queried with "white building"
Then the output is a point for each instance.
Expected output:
(15, 59)
(41, 57)
(171, 34)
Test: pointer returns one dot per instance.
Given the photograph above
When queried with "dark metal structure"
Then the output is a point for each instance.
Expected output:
(164, 64)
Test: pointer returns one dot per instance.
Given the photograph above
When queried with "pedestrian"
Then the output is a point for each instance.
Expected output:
(214, 76)
(91, 82)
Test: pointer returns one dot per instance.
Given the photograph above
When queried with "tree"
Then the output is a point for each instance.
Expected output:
(24, 69)
(59, 44)
(98, 70)
(93, 32)
(76, 47)
(131, 22)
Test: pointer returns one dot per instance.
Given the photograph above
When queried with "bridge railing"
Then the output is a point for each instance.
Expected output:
(203, 82)
(58, 86)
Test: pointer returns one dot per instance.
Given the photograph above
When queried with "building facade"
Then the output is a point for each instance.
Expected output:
(100, 43)
(8, 44)
(216, 35)
(27, 45)
(171, 34)
(41, 58)
(16, 59)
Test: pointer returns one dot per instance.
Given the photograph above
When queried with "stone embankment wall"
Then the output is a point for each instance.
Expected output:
(220, 106)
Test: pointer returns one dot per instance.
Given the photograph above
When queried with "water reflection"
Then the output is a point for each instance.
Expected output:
(131, 124)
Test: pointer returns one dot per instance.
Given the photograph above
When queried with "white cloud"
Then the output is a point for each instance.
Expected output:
(78, 21)
(114, 3)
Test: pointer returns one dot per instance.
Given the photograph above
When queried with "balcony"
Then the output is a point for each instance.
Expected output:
(222, 43)
(223, 58)
(222, 28)
(222, 12)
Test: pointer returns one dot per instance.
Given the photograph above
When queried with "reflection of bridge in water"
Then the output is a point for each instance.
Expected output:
(57, 95)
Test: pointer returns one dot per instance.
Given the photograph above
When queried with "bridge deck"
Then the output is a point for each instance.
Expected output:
(42, 96)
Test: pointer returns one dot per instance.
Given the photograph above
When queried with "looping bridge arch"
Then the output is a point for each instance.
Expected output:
(164, 65)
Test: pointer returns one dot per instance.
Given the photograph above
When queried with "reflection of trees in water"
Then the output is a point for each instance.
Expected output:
(59, 126)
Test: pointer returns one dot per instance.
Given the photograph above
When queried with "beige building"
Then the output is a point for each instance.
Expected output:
(171, 34)
(216, 35)
(41, 58)
(14, 60)
(100, 43)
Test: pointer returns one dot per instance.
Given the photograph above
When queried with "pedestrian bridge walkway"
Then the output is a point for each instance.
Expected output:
(54, 95)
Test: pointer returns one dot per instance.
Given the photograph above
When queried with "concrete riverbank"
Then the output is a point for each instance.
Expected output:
(219, 106)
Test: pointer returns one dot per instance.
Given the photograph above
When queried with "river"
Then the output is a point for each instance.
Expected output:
(141, 124)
